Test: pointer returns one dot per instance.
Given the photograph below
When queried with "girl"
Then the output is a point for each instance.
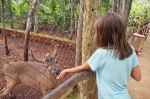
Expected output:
(114, 61)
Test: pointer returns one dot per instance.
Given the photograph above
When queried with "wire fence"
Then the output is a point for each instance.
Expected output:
(40, 43)
(53, 25)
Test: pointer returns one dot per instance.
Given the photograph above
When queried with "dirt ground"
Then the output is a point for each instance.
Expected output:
(65, 57)
(141, 89)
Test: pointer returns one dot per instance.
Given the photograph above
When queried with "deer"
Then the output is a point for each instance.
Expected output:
(41, 74)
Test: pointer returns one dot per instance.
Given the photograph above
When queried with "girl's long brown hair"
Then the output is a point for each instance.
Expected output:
(110, 34)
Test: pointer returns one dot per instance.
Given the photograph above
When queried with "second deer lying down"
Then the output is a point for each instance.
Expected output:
(33, 74)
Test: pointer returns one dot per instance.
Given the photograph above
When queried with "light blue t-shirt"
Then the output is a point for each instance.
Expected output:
(112, 74)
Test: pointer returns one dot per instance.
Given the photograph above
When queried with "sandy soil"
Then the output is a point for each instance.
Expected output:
(141, 89)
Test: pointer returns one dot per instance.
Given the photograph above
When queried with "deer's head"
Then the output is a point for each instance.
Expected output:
(50, 60)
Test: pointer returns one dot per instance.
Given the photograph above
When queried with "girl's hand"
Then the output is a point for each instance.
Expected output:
(62, 74)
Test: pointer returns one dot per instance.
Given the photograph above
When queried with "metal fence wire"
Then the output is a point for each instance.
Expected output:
(52, 27)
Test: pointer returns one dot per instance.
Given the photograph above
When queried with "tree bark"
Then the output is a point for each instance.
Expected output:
(114, 6)
(10, 11)
(72, 27)
(28, 28)
(3, 27)
(124, 9)
(91, 12)
(128, 8)
(64, 17)
(79, 36)
(36, 19)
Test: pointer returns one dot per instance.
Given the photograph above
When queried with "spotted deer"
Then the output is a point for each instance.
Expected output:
(41, 74)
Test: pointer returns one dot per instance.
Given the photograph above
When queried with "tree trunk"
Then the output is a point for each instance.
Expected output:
(127, 11)
(64, 17)
(28, 28)
(10, 11)
(124, 9)
(79, 36)
(36, 20)
(114, 6)
(72, 27)
(91, 11)
(3, 27)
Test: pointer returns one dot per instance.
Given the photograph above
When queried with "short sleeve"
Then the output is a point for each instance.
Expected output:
(94, 60)
(135, 60)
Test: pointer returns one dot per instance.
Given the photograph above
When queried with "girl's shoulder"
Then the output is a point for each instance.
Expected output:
(102, 51)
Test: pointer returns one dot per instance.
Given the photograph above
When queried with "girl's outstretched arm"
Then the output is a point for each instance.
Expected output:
(77, 69)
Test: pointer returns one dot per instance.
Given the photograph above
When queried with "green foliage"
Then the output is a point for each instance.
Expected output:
(105, 6)
(56, 11)
(20, 8)
(139, 12)
(8, 25)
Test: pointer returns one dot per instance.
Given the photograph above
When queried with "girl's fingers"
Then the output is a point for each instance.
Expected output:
(59, 76)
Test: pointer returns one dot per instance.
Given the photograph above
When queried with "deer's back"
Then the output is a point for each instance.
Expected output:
(29, 73)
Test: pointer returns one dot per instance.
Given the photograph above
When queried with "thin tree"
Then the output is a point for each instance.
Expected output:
(36, 19)
(10, 11)
(64, 16)
(72, 27)
(79, 36)
(3, 27)
(28, 28)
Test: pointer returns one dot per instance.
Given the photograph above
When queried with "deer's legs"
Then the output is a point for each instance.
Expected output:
(10, 85)
(2, 90)
(44, 93)
(44, 90)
